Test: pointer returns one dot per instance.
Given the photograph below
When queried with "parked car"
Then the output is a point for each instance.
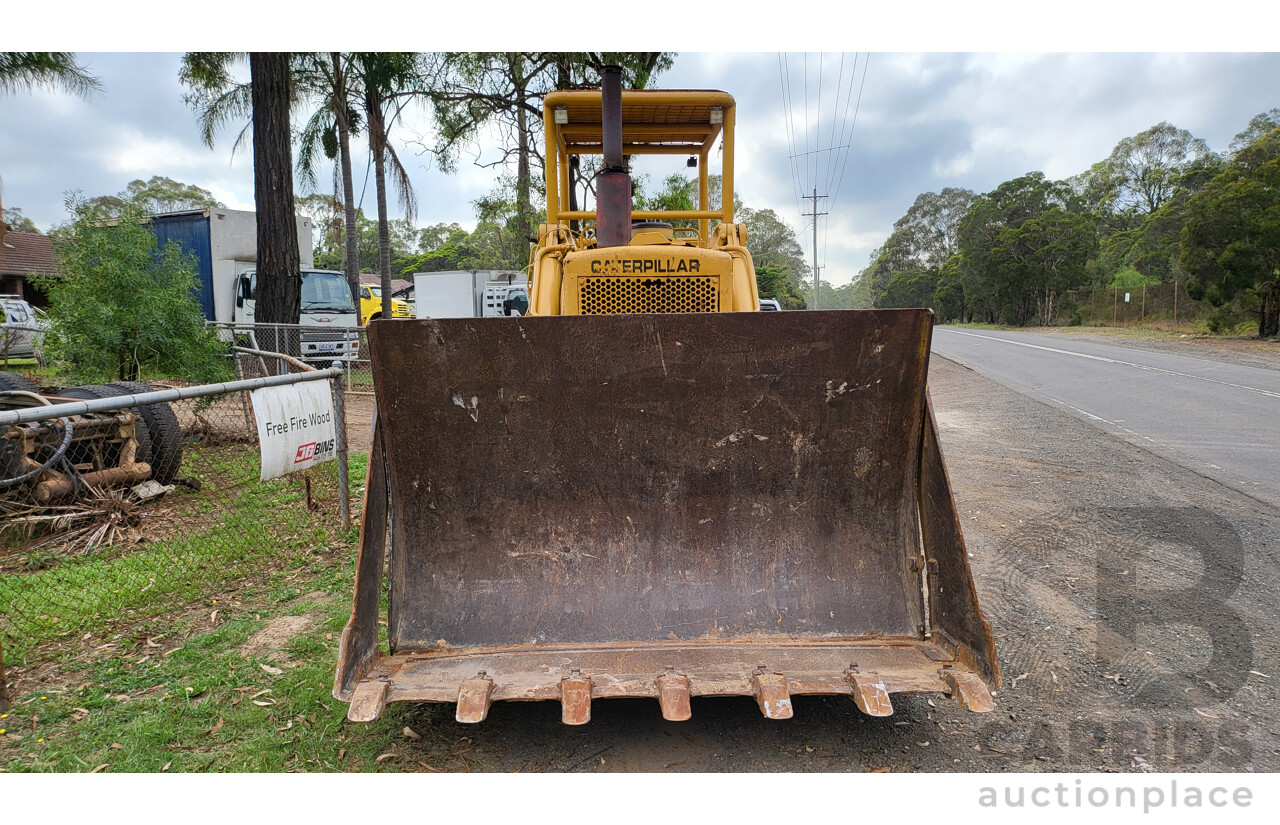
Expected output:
(21, 328)
(770, 305)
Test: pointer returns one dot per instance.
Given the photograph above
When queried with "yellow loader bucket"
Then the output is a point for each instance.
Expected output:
(667, 506)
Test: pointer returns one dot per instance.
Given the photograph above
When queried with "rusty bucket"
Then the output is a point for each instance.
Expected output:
(662, 506)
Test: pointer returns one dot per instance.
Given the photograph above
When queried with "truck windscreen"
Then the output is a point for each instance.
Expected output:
(326, 292)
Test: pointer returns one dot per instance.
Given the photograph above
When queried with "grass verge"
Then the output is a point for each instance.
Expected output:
(228, 668)
(200, 696)
(233, 526)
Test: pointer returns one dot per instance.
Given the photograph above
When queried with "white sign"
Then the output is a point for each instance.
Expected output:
(295, 427)
(1126, 297)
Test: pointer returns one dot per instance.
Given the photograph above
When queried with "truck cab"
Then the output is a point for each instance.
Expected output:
(371, 305)
(328, 313)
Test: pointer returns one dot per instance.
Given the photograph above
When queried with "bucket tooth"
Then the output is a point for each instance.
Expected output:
(474, 697)
(968, 690)
(673, 696)
(772, 694)
(869, 693)
(369, 699)
(575, 699)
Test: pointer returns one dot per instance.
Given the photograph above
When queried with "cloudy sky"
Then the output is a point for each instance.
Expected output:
(924, 121)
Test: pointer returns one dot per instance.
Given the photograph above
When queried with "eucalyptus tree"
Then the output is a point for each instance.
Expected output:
(477, 90)
(218, 97)
(922, 239)
(1144, 169)
(1231, 240)
(1259, 125)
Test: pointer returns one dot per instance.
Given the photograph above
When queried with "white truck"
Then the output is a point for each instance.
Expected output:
(470, 293)
(225, 245)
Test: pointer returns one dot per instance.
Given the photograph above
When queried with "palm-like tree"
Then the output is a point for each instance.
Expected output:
(388, 80)
(58, 70)
(328, 134)
(21, 71)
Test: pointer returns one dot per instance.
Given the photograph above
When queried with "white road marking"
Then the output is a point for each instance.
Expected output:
(1088, 414)
(1267, 393)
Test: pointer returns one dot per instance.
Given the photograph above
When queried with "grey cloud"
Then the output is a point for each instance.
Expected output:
(926, 121)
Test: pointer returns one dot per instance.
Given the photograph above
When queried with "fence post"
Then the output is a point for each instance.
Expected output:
(340, 424)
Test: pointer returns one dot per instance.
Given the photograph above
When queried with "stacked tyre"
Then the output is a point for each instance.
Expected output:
(166, 435)
(13, 382)
(11, 463)
(156, 429)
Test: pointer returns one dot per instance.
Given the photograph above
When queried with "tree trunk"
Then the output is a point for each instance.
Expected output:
(377, 146)
(279, 261)
(564, 80)
(524, 208)
(1269, 312)
(348, 186)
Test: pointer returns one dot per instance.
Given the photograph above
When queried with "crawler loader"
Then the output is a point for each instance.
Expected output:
(645, 487)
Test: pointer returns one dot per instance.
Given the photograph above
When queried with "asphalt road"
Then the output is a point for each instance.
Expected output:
(1219, 420)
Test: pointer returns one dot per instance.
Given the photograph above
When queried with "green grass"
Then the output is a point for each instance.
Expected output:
(235, 526)
(194, 707)
(169, 689)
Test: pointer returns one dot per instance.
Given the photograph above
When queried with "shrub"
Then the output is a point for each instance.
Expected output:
(121, 307)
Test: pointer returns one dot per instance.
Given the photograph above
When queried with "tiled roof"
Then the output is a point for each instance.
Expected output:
(373, 279)
(23, 252)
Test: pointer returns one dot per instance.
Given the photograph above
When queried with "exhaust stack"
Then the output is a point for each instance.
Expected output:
(613, 183)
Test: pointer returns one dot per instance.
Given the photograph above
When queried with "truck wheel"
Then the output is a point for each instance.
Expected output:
(166, 434)
(375, 316)
(141, 433)
(11, 381)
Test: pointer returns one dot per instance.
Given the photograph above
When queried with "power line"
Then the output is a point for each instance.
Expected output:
(844, 122)
(806, 114)
(856, 107)
(833, 159)
(832, 139)
(784, 76)
(817, 126)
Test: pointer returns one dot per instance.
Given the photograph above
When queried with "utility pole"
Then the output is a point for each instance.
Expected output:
(815, 197)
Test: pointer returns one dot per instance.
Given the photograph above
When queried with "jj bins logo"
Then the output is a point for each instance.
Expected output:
(313, 450)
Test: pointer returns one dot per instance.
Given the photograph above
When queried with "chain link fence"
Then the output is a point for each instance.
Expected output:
(19, 343)
(312, 343)
(131, 511)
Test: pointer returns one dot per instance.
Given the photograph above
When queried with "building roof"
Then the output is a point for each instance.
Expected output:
(373, 279)
(23, 252)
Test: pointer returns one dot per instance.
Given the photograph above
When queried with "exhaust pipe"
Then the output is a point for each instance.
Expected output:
(613, 184)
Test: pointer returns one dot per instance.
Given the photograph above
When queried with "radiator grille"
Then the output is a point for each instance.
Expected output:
(618, 295)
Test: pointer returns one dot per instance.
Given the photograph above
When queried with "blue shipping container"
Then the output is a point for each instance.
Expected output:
(191, 232)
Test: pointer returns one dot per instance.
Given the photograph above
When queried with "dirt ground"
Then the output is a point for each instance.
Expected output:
(1132, 603)
(1133, 608)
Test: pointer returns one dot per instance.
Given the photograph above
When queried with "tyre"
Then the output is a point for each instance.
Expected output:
(166, 434)
(141, 433)
(11, 381)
